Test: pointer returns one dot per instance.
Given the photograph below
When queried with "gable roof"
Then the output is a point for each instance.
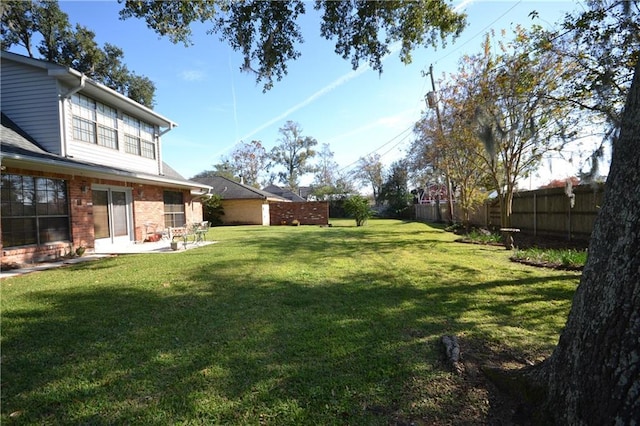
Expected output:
(284, 193)
(19, 149)
(75, 79)
(231, 190)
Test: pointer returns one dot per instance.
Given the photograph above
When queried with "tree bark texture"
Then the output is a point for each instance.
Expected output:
(593, 375)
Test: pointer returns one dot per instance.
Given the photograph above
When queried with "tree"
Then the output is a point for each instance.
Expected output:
(395, 191)
(457, 149)
(369, 172)
(75, 48)
(293, 153)
(329, 184)
(603, 43)
(357, 207)
(224, 169)
(517, 121)
(212, 209)
(326, 168)
(593, 375)
(267, 33)
(18, 24)
(249, 160)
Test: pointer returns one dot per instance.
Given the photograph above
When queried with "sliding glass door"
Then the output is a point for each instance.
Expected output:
(111, 216)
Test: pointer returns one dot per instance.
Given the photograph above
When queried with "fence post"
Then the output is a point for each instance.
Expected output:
(535, 215)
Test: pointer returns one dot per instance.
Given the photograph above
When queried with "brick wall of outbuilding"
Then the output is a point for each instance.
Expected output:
(307, 213)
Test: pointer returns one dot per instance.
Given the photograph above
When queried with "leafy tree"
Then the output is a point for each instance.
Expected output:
(603, 43)
(357, 207)
(593, 375)
(224, 169)
(139, 88)
(293, 153)
(328, 183)
(75, 48)
(249, 160)
(517, 121)
(267, 33)
(205, 174)
(395, 191)
(369, 172)
(212, 209)
(18, 24)
(457, 149)
(326, 168)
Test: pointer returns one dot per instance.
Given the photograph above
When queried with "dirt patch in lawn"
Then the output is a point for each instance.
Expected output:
(470, 397)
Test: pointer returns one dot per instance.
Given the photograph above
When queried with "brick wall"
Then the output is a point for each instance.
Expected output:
(307, 213)
(148, 216)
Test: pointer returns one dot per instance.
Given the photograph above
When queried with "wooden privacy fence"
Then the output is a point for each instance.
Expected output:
(540, 212)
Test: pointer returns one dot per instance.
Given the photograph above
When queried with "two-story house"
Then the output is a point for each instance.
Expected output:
(81, 165)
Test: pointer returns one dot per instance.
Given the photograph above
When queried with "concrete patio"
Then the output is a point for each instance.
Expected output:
(133, 248)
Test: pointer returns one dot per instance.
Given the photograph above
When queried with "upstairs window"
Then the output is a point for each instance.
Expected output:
(35, 210)
(94, 122)
(138, 137)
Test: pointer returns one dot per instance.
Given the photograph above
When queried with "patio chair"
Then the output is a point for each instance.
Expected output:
(200, 230)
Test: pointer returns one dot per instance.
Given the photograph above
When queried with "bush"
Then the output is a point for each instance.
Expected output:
(212, 209)
(358, 207)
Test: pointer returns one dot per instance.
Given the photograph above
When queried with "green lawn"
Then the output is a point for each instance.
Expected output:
(271, 325)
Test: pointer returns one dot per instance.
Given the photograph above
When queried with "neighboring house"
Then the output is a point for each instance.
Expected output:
(242, 204)
(81, 165)
(284, 193)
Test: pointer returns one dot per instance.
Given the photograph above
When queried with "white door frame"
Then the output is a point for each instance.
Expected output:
(128, 236)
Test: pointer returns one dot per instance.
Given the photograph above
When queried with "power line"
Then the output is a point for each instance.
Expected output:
(481, 32)
(380, 147)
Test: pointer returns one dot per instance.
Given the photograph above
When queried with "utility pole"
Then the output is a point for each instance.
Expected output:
(432, 102)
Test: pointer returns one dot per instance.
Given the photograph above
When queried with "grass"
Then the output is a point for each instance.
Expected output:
(271, 325)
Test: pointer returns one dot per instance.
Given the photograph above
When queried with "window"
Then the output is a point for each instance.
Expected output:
(138, 137)
(34, 210)
(94, 122)
(173, 209)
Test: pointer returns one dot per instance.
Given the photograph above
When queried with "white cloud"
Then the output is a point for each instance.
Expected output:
(193, 75)
(462, 5)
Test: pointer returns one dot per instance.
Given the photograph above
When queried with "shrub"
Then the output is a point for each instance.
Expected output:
(213, 210)
(358, 207)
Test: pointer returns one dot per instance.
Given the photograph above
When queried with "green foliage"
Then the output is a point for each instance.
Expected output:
(212, 209)
(267, 34)
(293, 153)
(395, 191)
(370, 172)
(358, 208)
(249, 160)
(553, 257)
(480, 237)
(72, 47)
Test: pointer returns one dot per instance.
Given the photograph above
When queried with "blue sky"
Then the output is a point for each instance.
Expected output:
(356, 112)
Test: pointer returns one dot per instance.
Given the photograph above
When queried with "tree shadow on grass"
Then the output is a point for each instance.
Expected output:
(208, 344)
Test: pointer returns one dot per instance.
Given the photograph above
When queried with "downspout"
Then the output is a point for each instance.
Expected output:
(63, 115)
(167, 130)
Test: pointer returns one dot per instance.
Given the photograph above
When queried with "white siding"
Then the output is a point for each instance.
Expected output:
(30, 99)
(84, 151)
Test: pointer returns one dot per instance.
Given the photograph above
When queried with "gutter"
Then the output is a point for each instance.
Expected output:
(73, 91)
(62, 114)
(158, 136)
(90, 171)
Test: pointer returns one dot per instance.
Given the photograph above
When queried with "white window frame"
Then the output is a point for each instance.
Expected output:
(94, 122)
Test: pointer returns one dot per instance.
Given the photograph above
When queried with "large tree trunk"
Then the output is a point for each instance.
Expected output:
(593, 375)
